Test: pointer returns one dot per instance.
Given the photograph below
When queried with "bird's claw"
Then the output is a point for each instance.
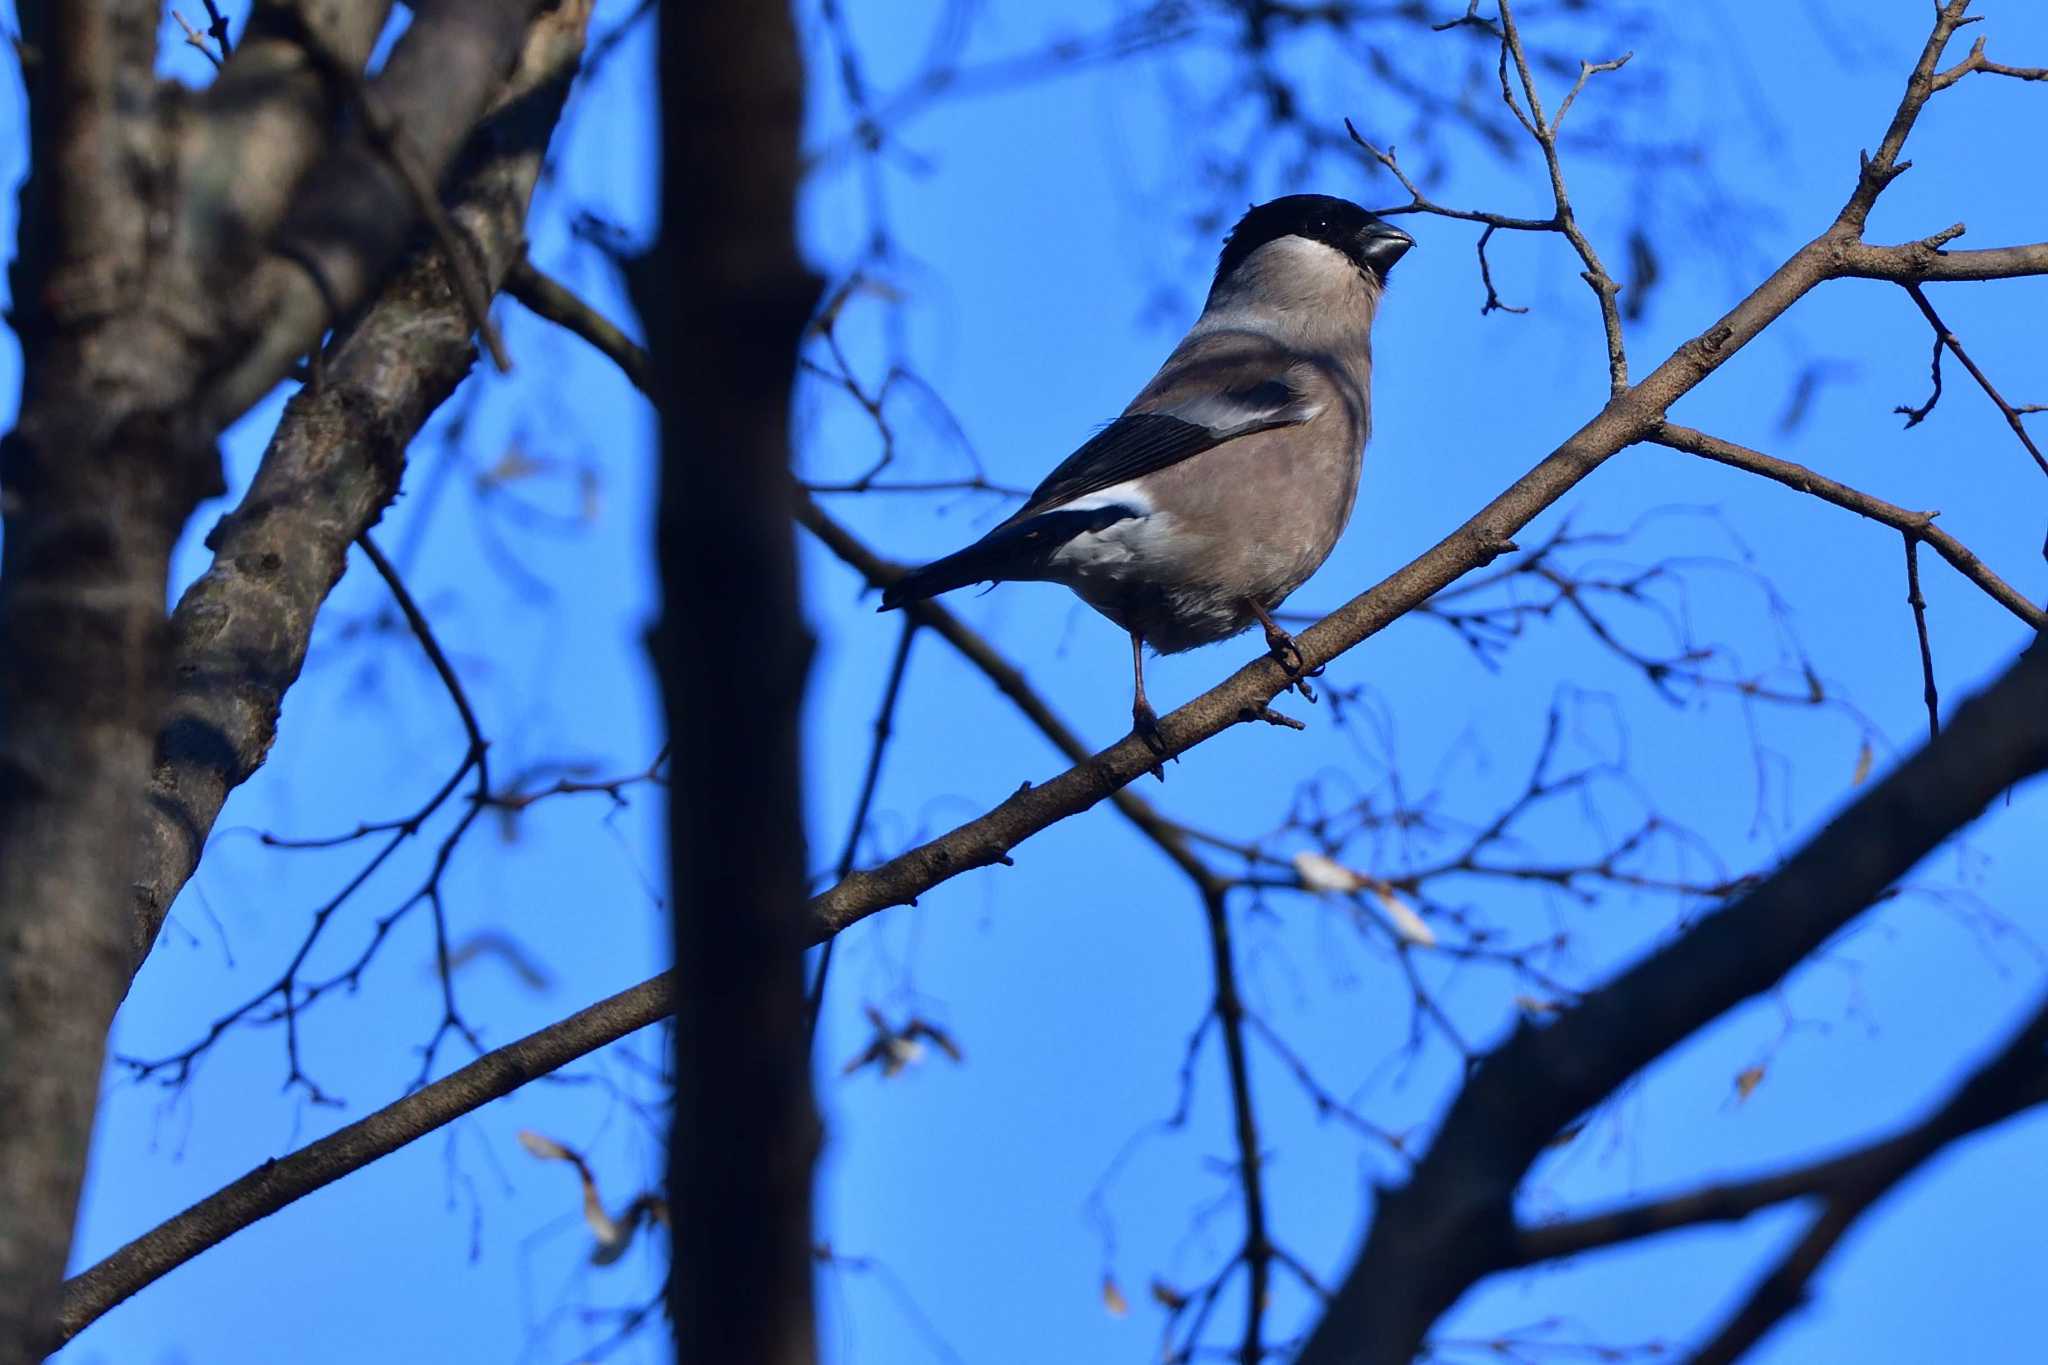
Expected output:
(1145, 725)
(1288, 655)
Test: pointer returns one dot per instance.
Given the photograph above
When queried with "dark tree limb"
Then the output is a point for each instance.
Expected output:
(1452, 1224)
(2014, 1080)
(2018, 1082)
(725, 298)
(1634, 415)
(1979, 747)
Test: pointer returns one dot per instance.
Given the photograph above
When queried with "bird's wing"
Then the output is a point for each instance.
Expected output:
(1215, 388)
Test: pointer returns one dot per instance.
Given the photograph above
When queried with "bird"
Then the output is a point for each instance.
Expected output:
(1230, 477)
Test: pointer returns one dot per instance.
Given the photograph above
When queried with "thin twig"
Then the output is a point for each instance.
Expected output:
(1602, 284)
(1919, 606)
(1944, 337)
(1493, 299)
(885, 720)
(219, 29)
(547, 297)
(1977, 61)
(194, 38)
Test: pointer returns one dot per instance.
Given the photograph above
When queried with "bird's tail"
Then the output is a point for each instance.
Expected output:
(986, 560)
(1018, 550)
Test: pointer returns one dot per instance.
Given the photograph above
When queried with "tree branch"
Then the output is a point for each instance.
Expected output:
(1727, 1203)
(1944, 337)
(274, 1184)
(1925, 262)
(1917, 524)
(357, 211)
(2014, 1080)
(547, 297)
(240, 633)
(261, 126)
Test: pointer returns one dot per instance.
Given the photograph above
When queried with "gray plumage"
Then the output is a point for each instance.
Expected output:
(1230, 477)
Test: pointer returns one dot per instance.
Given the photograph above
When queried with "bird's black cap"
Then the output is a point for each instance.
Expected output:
(1371, 243)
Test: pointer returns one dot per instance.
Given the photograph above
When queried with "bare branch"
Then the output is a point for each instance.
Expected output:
(1925, 262)
(1977, 61)
(2019, 1087)
(1602, 284)
(1919, 606)
(274, 1184)
(885, 723)
(1944, 337)
(1880, 170)
(1917, 524)
(1630, 416)
(2016, 1079)
(549, 298)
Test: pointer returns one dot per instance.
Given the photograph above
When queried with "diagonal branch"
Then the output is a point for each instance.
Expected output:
(2010, 1084)
(1918, 524)
(1992, 741)
(2015, 1079)
(1632, 415)
(274, 1184)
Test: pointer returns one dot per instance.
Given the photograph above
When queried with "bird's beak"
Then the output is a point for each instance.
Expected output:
(1381, 245)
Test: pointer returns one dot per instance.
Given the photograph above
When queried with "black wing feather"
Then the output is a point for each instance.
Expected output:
(1142, 442)
(1134, 445)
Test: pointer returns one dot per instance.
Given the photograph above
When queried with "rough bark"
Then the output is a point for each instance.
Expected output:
(94, 483)
(139, 345)
(725, 298)
(240, 633)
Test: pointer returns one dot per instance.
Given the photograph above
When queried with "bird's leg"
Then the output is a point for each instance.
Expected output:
(1144, 720)
(1282, 647)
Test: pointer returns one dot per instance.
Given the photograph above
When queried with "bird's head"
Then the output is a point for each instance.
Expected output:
(1306, 229)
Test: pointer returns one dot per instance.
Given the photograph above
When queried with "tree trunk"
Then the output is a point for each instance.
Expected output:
(725, 297)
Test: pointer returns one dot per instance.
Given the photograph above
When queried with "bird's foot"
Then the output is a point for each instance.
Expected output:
(1287, 654)
(1145, 725)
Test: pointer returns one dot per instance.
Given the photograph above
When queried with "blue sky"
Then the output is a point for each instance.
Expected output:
(1045, 261)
